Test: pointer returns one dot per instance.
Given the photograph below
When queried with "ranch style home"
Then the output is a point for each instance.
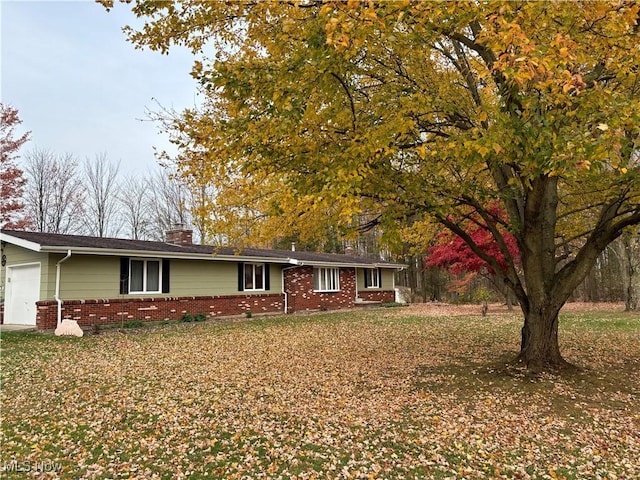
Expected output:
(46, 278)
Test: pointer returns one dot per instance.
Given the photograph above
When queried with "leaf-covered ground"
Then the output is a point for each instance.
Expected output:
(384, 394)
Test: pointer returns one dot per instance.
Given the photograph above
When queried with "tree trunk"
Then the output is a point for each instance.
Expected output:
(539, 348)
(509, 300)
(630, 260)
(544, 297)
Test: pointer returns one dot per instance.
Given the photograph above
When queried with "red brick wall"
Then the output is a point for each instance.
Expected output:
(377, 295)
(114, 311)
(299, 285)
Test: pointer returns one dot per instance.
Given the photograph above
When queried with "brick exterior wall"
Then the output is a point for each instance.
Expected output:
(298, 283)
(378, 296)
(114, 311)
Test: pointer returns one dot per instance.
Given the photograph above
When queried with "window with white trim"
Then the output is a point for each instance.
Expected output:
(372, 278)
(254, 276)
(145, 276)
(326, 279)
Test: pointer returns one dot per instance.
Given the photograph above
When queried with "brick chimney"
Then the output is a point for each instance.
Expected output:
(179, 235)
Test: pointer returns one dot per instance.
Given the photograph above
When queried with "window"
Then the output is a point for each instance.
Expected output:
(372, 278)
(144, 276)
(254, 274)
(326, 279)
(253, 277)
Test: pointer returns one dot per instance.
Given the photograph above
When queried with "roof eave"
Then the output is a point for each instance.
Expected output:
(36, 247)
(19, 242)
(349, 264)
(163, 254)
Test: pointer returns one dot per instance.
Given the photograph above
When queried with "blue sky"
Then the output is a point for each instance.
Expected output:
(81, 88)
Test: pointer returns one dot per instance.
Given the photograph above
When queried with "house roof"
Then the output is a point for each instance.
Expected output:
(80, 244)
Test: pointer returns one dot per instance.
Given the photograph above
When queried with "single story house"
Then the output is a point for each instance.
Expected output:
(46, 278)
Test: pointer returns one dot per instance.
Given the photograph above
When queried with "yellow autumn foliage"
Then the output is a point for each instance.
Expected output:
(322, 113)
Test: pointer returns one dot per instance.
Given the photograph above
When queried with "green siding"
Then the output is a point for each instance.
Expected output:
(387, 280)
(201, 278)
(194, 278)
(48, 285)
(93, 277)
(21, 256)
(85, 277)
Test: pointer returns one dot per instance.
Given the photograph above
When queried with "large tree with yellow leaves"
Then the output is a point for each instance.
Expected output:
(423, 111)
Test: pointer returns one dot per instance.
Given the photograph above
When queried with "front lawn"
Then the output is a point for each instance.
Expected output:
(388, 393)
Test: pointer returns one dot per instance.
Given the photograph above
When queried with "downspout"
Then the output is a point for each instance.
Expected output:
(57, 294)
(355, 280)
(284, 291)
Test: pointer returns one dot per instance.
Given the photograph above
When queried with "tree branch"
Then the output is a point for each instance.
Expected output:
(351, 103)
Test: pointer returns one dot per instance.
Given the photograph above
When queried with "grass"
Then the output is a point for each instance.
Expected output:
(384, 393)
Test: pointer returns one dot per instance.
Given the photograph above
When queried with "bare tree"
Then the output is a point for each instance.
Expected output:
(135, 201)
(54, 192)
(168, 204)
(101, 200)
(627, 249)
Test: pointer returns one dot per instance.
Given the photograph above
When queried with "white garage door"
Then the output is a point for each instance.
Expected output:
(23, 291)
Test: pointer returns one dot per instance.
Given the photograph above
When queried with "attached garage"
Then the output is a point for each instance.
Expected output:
(22, 293)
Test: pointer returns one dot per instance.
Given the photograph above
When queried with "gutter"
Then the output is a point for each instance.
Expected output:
(216, 257)
(337, 264)
(57, 294)
(163, 254)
